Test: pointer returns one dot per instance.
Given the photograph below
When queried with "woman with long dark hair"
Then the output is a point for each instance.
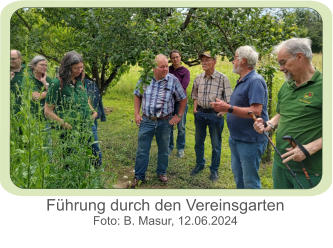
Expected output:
(67, 100)
(67, 104)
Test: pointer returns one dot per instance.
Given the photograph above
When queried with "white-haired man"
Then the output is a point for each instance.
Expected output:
(157, 101)
(299, 115)
(250, 94)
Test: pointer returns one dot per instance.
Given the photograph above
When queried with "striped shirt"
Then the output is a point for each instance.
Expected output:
(159, 97)
(206, 89)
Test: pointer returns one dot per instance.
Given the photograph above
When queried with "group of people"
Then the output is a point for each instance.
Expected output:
(299, 116)
(69, 101)
(73, 102)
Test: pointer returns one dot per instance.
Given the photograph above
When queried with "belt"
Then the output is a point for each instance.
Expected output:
(205, 110)
(154, 118)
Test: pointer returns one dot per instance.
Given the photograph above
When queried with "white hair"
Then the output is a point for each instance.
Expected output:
(35, 61)
(248, 53)
(296, 45)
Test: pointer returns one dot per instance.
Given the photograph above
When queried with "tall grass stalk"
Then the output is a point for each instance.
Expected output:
(40, 157)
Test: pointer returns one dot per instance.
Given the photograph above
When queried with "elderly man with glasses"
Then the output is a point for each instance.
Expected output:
(299, 115)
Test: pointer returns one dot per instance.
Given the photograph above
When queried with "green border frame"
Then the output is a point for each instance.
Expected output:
(327, 103)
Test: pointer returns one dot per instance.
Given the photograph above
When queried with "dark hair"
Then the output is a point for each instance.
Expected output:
(65, 70)
(174, 51)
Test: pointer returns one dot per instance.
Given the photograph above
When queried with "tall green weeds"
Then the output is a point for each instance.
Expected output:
(42, 155)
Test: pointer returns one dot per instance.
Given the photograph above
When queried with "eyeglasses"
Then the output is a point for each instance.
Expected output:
(176, 57)
(13, 59)
(282, 62)
(163, 67)
(236, 57)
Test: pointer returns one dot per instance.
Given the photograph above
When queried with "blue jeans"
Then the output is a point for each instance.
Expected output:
(148, 129)
(181, 130)
(245, 161)
(215, 125)
(95, 146)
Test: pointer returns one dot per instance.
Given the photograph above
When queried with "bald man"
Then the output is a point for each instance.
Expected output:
(157, 102)
(16, 77)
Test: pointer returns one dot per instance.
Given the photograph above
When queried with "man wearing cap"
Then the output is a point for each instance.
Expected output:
(208, 86)
(250, 95)
(157, 101)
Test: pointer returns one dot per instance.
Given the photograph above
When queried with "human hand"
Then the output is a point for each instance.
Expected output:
(174, 120)
(65, 125)
(12, 75)
(220, 106)
(43, 78)
(94, 115)
(138, 119)
(294, 154)
(221, 113)
(259, 125)
(35, 96)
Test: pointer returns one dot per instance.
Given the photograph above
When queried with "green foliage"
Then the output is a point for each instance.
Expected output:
(311, 24)
(112, 39)
(42, 157)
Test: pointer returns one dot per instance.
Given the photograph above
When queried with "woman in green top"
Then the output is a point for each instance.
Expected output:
(40, 81)
(67, 104)
(67, 100)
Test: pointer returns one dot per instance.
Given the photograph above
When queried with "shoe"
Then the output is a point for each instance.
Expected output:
(169, 151)
(213, 176)
(180, 153)
(196, 170)
(137, 182)
(163, 178)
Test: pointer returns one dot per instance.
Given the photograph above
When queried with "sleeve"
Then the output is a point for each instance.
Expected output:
(194, 93)
(53, 93)
(179, 91)
(227, 89)
(257, 92)
(138, 89)
(186, 79)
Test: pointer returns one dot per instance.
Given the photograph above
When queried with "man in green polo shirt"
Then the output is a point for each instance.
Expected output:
(299, 114)
(16, 78)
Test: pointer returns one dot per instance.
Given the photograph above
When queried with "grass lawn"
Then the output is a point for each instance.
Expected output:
(118, 136)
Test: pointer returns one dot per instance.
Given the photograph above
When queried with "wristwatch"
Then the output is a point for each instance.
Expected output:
(271, 125)
(180, 116)
(231, 109)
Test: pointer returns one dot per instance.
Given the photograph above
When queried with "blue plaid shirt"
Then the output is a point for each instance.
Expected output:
(159, 97)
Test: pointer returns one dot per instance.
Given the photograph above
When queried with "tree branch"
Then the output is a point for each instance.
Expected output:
(225, 36)
(110, 78)
(188, 18)
(192, 62)
(47, 56)
(24, 21)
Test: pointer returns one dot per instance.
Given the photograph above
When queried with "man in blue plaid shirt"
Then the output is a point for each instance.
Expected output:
(157, 101)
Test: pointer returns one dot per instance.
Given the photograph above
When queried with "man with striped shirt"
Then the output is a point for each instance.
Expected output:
(157, 101)
(207, 87)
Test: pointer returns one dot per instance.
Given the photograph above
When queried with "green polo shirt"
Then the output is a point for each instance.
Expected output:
(71, 103)
(16, 88)
(39, 87)
(300, 110)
